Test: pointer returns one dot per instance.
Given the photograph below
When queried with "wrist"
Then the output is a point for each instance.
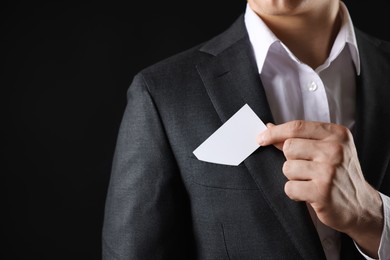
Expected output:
(368, 227)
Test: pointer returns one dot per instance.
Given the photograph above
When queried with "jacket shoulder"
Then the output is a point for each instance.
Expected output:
(204, 51)
(372, 41)
(179, 62)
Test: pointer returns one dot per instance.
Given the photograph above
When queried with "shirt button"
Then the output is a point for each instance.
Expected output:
(312, 86)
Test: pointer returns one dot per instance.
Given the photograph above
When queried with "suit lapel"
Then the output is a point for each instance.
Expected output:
(231, 80)
(372, 130)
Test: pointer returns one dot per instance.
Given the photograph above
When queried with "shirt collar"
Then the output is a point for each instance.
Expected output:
(262, 38)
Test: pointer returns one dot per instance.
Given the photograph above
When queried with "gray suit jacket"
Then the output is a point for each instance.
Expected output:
(163, 203)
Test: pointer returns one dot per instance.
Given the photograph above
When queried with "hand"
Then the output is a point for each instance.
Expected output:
(323, 169)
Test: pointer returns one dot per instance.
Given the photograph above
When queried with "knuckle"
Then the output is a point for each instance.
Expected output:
(342, 133)
(336, 153)
(296, 126)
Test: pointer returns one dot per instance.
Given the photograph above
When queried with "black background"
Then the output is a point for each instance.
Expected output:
(65, 69)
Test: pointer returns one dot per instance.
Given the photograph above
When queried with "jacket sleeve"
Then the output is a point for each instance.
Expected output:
(146, 211)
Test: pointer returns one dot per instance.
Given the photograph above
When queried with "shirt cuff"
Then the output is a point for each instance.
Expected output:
(384, 246)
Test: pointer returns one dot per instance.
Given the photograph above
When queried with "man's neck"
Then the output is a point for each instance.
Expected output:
(310, 36)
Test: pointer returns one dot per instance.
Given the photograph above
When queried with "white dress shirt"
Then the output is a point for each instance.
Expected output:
(295, 91)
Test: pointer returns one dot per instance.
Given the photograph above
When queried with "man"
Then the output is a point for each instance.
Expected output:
(318, 186)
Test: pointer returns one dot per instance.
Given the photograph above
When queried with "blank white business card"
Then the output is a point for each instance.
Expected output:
(234, 141)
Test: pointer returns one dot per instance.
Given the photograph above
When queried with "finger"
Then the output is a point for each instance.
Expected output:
(300, 129)
(301, 191)
(301, 170)
(277, 145)
(313, 150)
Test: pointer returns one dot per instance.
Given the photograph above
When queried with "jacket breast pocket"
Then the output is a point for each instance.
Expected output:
(220, 176)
